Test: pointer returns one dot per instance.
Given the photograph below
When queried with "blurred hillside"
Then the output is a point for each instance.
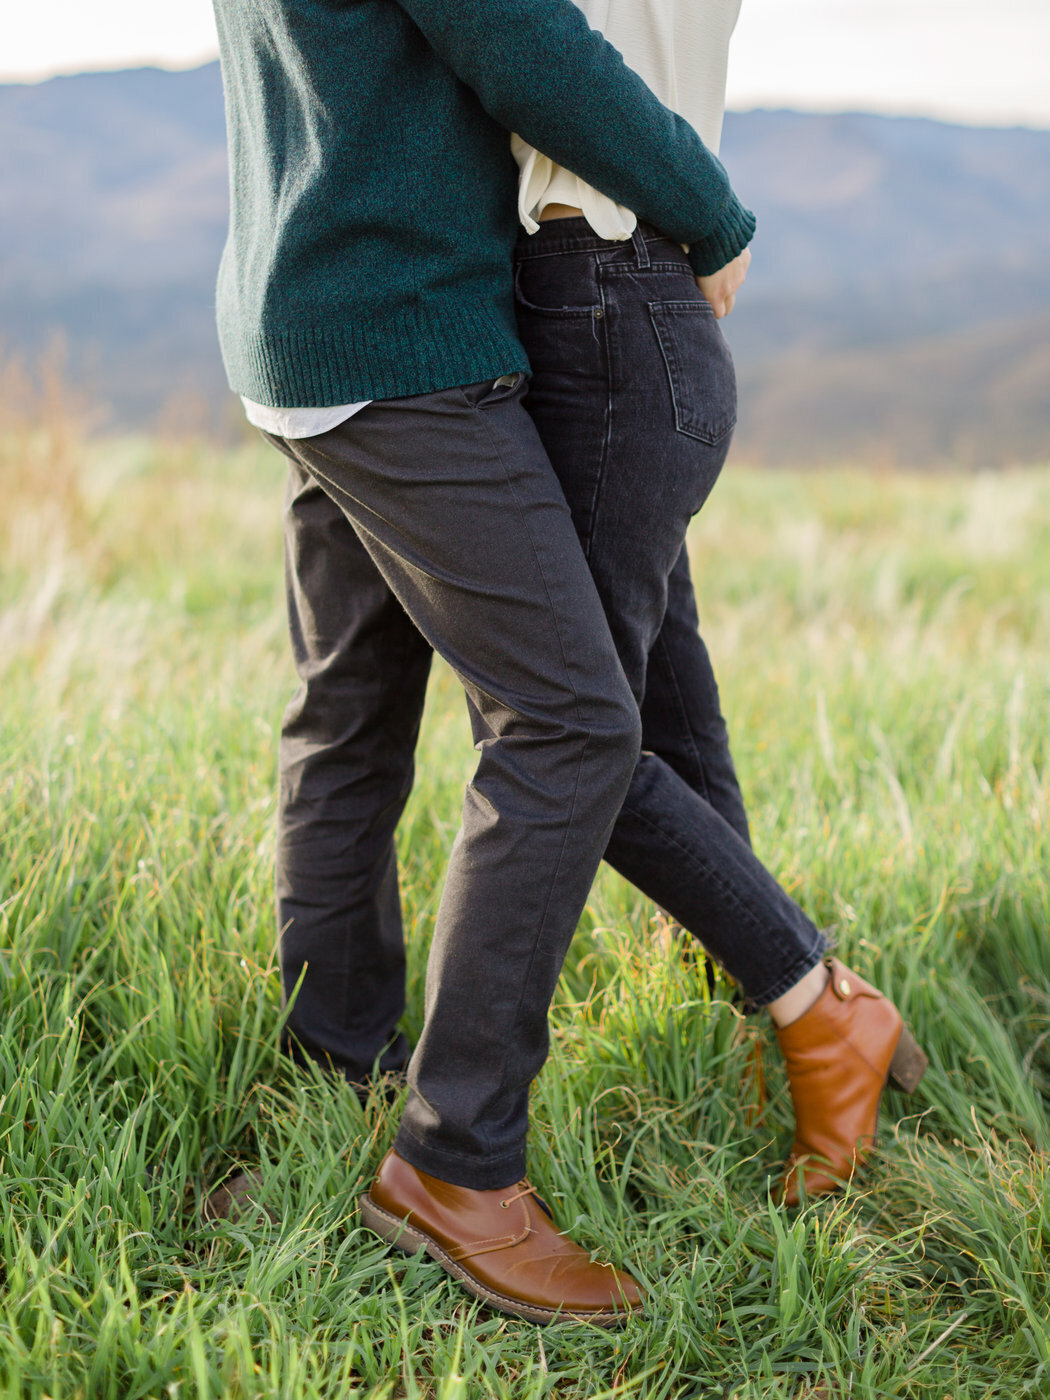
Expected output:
(898, 309)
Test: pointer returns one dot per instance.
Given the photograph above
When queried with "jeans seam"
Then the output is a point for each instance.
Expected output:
(683, 711)
(603, 461)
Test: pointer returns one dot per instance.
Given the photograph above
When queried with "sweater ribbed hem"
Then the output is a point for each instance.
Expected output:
(731, 235)
(374, 356)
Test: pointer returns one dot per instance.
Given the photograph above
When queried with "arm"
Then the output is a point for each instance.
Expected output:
(540, 70)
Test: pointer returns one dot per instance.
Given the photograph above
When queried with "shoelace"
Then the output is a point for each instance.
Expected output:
(527, 1190)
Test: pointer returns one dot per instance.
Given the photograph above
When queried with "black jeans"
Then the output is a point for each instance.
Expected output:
(634, 396)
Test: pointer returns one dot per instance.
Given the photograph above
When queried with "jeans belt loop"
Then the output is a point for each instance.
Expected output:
(641, 248)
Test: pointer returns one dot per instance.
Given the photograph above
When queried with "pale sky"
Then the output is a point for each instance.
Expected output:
(980, 61)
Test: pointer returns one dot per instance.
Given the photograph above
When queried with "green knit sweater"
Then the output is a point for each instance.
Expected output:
(374, 194)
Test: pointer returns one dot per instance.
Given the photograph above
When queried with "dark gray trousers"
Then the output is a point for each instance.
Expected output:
(437, 521)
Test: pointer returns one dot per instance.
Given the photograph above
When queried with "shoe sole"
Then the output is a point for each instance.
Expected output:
(402, 1236)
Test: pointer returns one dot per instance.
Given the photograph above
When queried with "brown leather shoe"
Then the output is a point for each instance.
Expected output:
(838, 1057)
(237, 1198)
(500, 1245)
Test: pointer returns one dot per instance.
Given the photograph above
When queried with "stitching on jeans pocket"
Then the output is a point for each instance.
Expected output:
(700, 373)
(557, 311)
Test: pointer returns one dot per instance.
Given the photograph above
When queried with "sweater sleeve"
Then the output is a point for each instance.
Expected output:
(540, 70)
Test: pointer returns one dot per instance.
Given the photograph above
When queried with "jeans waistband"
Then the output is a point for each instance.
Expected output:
(575, 235)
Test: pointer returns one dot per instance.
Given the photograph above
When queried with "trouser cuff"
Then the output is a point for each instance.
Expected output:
(787, 980)
(475, 1173)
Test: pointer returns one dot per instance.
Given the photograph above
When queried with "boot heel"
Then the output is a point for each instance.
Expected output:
(909, 1062)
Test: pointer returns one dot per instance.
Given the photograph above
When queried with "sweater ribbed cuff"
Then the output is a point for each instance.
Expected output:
(728, 239)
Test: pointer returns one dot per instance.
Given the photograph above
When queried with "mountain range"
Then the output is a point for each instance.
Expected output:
(897, 309)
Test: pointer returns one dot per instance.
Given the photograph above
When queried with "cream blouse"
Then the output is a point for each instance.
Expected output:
(680, 49)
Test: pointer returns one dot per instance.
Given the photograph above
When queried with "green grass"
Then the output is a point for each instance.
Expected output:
(882, 644)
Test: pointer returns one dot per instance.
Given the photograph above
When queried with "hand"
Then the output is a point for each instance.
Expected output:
(720, 288)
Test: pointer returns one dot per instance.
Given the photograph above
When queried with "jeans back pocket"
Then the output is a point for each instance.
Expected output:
(699, 365)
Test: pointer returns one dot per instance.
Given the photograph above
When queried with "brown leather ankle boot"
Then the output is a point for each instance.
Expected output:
(839, 1056)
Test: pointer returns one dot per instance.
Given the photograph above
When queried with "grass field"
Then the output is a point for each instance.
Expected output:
(884, 649)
